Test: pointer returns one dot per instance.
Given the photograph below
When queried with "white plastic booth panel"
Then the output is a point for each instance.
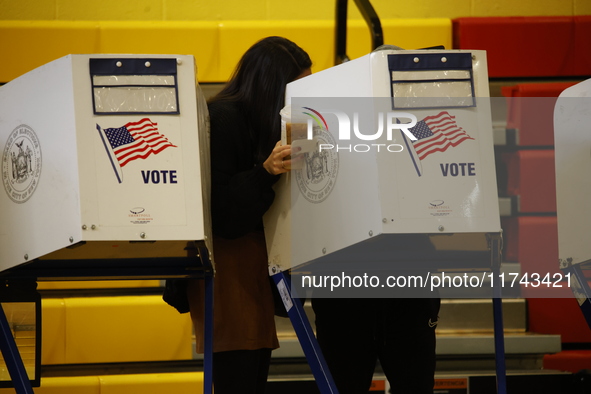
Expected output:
(105, 148)
(572, 144)
(397, 149)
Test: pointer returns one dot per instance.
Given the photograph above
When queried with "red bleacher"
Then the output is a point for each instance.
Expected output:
(549, 46)
(536, 47)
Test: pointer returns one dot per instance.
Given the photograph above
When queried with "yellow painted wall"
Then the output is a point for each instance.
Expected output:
(208, 10)
(217, 46)
(35, 32)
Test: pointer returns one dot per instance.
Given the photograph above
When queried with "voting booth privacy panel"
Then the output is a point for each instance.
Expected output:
(396, 168)
(105, 174)
(572, 136)
(103, 151)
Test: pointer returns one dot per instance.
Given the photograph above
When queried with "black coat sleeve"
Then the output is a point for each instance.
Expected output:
(242, 190)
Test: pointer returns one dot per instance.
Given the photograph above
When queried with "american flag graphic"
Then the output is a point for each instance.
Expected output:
(436, 134)
(136, 140)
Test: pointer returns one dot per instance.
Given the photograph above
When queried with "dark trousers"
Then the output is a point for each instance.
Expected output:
(241, 371)
(354, 333)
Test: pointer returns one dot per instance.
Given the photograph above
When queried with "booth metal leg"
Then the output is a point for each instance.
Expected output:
(208, 323)
(495, 244)
(305, 334)
(499, 346)
(12, 358)
(208, 337)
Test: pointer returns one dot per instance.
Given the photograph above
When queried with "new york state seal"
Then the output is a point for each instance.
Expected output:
(21, 164)
(317, 178)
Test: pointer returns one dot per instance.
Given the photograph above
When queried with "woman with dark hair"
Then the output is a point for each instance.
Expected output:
(246, 159)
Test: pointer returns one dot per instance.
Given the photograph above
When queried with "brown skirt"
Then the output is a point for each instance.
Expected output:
(243, 303)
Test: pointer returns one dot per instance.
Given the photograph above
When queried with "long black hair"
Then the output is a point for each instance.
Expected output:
(258, 83)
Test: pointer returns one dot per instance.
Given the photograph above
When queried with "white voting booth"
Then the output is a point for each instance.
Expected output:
(355, 204)
(396, 174)
(101, 148)
(105, 169)
(572, 145)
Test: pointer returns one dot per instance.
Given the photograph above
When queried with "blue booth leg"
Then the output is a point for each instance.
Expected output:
(303, 330)
(12, 358)
(499, 331)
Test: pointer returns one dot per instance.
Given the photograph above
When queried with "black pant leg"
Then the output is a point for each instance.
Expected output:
(345, 330)
(407, 354)
(241, 371)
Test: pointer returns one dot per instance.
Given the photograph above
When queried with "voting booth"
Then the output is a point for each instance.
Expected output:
(396, 145)
(392, 174)
(572, 145)
(105, 170)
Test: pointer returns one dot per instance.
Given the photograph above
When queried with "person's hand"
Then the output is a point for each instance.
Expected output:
(277, 162)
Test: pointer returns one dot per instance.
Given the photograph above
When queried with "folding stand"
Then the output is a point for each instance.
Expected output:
(305, 334)
(12, 358)
(316, 360)
(495, 248)
(84, 209)
(197, 267)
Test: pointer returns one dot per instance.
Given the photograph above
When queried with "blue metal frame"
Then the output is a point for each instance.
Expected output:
(303, 330)
(208, 323)
(499, 331)
(12, 357)
(312, 351)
